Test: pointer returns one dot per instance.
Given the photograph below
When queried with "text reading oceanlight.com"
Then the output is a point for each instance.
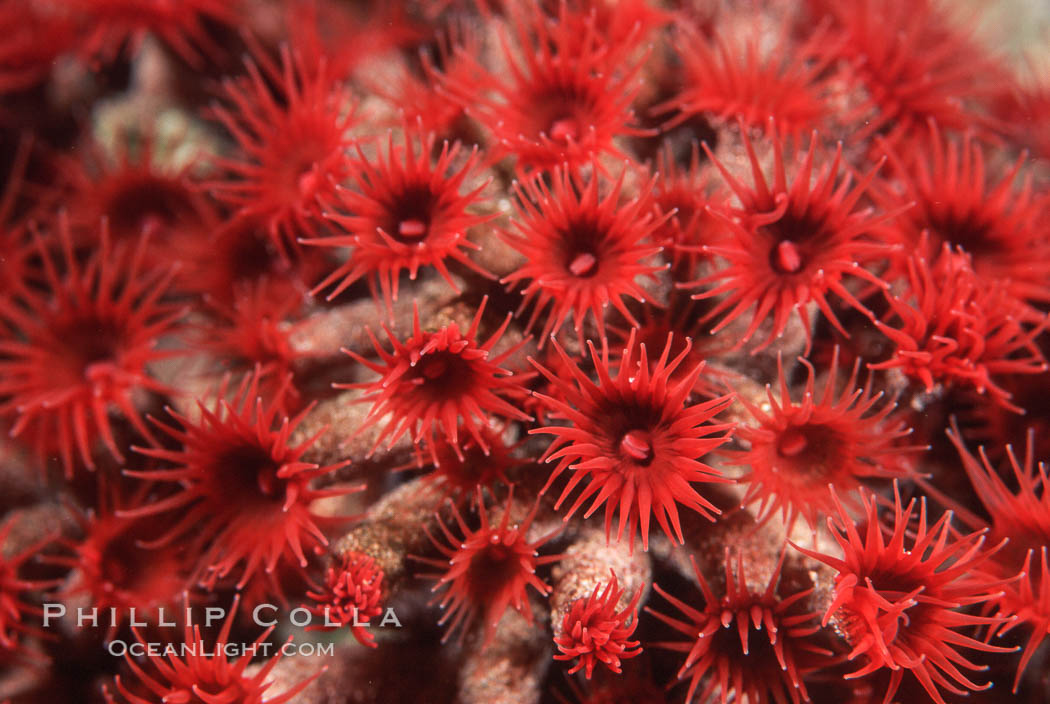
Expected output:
(263, 616)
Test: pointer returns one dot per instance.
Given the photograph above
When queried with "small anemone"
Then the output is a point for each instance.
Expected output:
(950, 327)
(404, 213)
(487, 570)
(111, 25)
(956, 204)
(583, 251)
(240, 448)
(719, 643)
(901, 592)
(83, 348)
(562, 100)
(108, 556)
(351, 596)
(634, 439)
(792, 244)
(798, 447)
(595, 632)
(17, 615)
(738, 80)
(137, 193)
(437, 381)
(293, 142)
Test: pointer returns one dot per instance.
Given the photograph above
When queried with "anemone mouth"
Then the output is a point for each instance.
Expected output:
(442, 375)
(637, 446)
(565, 129)
(560, 116)
(310, 180)
(583, 265)
(812, 451)
(410, 215)
(120, 561)
(794, 241)
(492, 569)
(248, 253)
(89, 342)
(249, 472)
(145, 203)
(582, 251)
(972, 234)
(634, 434)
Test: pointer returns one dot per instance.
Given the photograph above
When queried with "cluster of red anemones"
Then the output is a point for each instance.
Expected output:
(298, 296)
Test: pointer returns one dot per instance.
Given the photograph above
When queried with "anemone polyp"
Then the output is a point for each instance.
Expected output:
(435, 380)
(405, 213)
(900, 600)
(240, 448)
(487, 570)
(719, 644)
(635, 439)
(798, 447)
(83, 348)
